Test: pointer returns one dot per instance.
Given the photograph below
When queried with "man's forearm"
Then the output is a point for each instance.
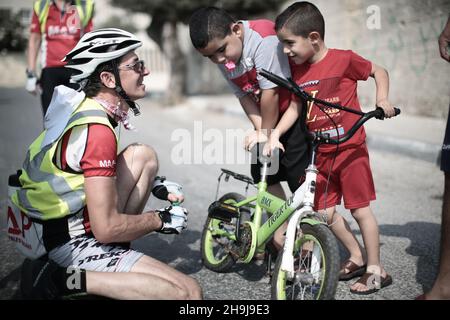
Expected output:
(126, 228)
(122, 227)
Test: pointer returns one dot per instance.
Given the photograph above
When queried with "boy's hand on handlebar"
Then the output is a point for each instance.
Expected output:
(271, 145)
(256, 136)
(387, 107)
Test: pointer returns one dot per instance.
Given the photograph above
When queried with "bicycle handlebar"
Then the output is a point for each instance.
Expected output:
(290, 85)
(325, 138)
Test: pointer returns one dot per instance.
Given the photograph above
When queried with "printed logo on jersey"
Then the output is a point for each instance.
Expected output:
(309, 84)
(107, 163)
(325, 111)
(70, 27)
(248, 83)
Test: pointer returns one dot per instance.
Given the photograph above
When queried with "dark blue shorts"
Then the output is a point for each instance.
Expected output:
(445, 157)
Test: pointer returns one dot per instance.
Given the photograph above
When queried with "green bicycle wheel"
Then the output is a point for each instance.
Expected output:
(218, 238)
(316, 266)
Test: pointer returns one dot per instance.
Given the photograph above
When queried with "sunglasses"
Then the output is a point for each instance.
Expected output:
(138, 66)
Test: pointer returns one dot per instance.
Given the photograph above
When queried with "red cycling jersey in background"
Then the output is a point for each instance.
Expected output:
(62, 32)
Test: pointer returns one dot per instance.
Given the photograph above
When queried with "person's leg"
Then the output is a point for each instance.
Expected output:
(341, 229)
(137, 166)
(441, 286)
(275, 188)
(116, 271)
(65, 76)
(328, 195)
(278, 237)
(371, 237)
(148, 279)
(47, 83)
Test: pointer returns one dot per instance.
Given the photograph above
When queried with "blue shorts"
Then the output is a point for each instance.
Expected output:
(445, 156)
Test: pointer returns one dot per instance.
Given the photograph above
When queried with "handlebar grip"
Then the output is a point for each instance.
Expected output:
(380, 113)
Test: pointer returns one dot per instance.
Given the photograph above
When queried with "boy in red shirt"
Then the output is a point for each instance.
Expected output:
(332, 75)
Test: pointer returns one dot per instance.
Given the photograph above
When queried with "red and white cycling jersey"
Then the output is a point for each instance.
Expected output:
(92, 150)
(62, 32)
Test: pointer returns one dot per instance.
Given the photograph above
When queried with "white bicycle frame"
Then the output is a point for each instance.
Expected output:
(303, 199)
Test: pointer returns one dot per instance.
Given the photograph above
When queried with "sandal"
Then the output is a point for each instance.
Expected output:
(373, 283)
(353, 270)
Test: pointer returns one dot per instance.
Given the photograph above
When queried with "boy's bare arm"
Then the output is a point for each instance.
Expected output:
(286, 122)
(381, 77)
(254, 114)
(251, 110)
(269, 109)
(288, 119)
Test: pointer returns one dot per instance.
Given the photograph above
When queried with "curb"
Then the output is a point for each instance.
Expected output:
(411, 148)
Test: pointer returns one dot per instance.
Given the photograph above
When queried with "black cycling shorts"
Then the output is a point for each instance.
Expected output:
(445, 156)
(292, 162)
(51, 78)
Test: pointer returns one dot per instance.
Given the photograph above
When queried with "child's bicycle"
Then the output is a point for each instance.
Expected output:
(308, 267)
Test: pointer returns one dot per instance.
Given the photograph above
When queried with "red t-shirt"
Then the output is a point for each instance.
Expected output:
(334, 79)
(62, 32)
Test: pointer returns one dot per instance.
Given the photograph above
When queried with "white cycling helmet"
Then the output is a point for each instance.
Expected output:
(99, 46)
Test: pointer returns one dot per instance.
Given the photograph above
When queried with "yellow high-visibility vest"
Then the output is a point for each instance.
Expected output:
(47, 192)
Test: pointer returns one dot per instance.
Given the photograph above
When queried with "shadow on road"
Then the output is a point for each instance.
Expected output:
(173, 249)
(424, 240)
(9, 285)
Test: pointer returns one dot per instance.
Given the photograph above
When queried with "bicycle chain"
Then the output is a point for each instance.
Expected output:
(245, 240)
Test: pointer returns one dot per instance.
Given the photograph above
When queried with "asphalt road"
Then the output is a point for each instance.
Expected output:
(407, 207)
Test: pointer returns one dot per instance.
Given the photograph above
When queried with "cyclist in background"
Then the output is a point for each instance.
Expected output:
(56, 27)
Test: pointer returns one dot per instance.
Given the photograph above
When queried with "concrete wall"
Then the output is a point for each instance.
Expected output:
(404, 42)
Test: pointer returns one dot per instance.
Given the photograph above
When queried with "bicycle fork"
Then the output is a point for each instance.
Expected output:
(305, 200)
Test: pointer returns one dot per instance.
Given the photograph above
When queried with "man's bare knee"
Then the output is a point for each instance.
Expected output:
(141, 155)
